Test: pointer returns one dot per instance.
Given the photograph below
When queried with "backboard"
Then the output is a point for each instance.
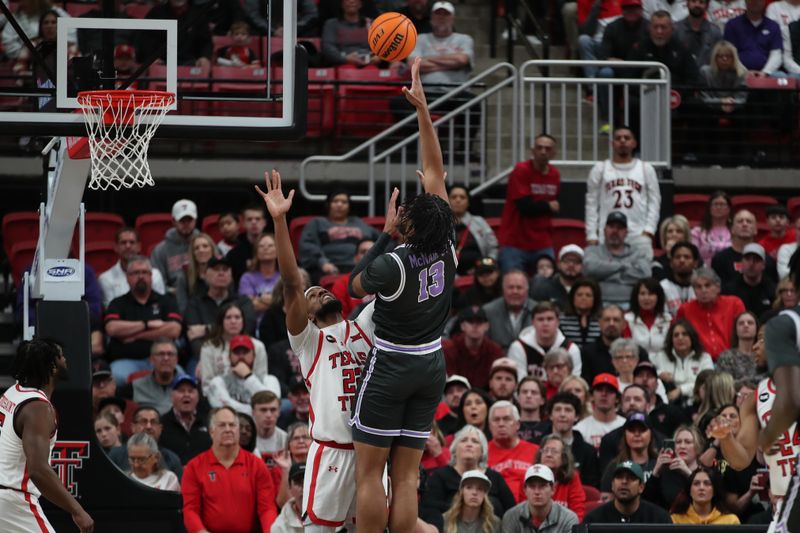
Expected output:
(225, 80)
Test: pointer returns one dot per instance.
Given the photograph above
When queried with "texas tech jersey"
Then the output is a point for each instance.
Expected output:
(13, 466)
(331, 360)
(784, 464)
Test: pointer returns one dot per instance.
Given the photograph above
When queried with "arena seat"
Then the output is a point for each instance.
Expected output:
(78, 9)
(98, 227)
(20, 258)
(754, 203)
(190, 78)
(151, 228)
(463, 283)
(375, 222)
(9, 79)
(209, 225)
(568, 231)
(296, 229)
(242, 80)
(692, 206)
(762, 230)
(793, 205)
(19, 226)
(100, 255)
(363, 109)
(494, 223)
(136, 10)
(321, 100)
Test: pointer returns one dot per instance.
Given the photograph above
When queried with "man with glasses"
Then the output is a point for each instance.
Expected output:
(155, 389)
(135, 319)
(147, 420)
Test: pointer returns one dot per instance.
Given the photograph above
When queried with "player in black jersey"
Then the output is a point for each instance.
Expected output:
(405, 373)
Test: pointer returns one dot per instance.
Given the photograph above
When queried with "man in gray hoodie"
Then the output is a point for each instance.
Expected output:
(615, 265)
(172, 254)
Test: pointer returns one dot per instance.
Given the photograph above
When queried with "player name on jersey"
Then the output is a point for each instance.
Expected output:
(783, 464)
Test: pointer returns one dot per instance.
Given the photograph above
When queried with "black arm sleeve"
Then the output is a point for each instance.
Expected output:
(380, 247)
(527, 207)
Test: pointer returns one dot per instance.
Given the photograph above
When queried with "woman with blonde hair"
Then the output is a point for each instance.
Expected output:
(672, 229)
(785, 298)
(201, 249)
(726, 79)
(578, 387)
(471, 510)
(719, 391)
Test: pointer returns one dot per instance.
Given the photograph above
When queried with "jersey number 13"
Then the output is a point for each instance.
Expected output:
(435, 275)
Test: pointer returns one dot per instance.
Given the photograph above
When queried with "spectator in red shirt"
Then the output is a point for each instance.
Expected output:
(509, 455)
(711, 314)
(780, 232)
(531, 203)
(226, 489)
(339, 288)
(556, 455)
(471, 352)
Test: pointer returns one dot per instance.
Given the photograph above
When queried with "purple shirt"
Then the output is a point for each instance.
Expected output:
(754, 43)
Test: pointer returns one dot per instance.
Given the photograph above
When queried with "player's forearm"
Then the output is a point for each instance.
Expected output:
(432, 164)
(169, 329)
(53, 489)
(735, 453)
(124, 328)
(287, 263)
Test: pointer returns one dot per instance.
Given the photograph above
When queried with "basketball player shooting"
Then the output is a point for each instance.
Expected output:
(332, 352)
(405, 372)
(27, 436)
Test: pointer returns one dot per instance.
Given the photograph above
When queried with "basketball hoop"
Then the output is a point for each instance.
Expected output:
(120, 125)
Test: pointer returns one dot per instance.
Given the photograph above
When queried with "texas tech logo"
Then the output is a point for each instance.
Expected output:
(68, 455)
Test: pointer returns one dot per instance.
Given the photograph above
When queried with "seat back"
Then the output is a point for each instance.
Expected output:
(568, 231)
(755, 203)
(692, 206)
(19, 226)
(296, 229)
(100, 255)
(363, 107)
(20, 258)
(151, 228)
(211, 227)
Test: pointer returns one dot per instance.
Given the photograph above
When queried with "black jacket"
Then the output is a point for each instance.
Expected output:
(443, 484)
(682, 67)
(176, 438)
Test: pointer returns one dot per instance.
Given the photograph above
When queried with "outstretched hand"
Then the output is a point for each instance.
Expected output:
(277, 204)
(392, 213)
(416, 95)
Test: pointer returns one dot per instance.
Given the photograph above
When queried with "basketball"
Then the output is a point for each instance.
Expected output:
(392, 36)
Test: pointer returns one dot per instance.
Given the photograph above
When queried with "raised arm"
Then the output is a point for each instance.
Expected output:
(432, 166)
(293, 285)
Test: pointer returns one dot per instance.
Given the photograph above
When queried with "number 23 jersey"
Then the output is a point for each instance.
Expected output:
(331, 361)
(783, 464)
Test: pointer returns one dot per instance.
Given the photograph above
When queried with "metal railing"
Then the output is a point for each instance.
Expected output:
(464, 132)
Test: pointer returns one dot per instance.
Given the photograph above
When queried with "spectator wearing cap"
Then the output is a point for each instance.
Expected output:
(472, 505)
(171, 255)
(509, 455)
(757, 38)
(474, 236)
(728, 262)
(615, 265)
(114, 281)
(503, 379)
(185, 431)
(512, 311)
(254, 222)
(786, 253)
(536, 341)
(780, 230)
(539, 512)
(684, 258)
(470, 353)
(750, 285)
(301, 403)
(147, 420)
(290, 519)
(661, 413)
(237, 386)
(597, 355)
(569, 269)
(155, 388)
(487, 286)
(134, 319)
(227, 488)
(569, 492)
(531, 203)
(635, 399)
(103, 387)
(628, 507)
(638, 444)
(604, 418)
(202, 309)
(712, 315)
(454, 388)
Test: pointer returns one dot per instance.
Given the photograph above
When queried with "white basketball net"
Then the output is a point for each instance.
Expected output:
(120, 125)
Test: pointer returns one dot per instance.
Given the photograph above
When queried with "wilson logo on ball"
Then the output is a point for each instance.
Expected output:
(392, 37)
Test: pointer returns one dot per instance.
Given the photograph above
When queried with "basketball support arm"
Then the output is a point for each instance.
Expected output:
(54, 276)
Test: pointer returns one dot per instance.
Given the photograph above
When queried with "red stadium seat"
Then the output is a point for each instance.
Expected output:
(568, 231)
(98, 227)
(136, 10)
(463, 283)
(762, 230)
(189, 79)
(75, 9)
(494, 223)
(242, 80)
(363, 109)
(296, 229)
(793, 205)
(9, 79)
(19, 226)
(151, 228)
(692, 206)
(375, 222)
(757, 82)
(101, 255)
(321, 102)
(20, 258)
(592, 494)
(210, 226)
(754, 203)
(326, 282)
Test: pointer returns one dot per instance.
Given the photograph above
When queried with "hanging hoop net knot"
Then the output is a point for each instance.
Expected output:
(119, 126)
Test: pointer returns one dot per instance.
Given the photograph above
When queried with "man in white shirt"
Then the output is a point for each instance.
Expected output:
(626, 184)
(786, 251)
(114, 281)
(604, 419)
(269, 437)
(721, 11)
(677, 9)
(784, 12)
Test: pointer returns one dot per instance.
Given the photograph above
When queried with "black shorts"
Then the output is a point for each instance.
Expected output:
(397, 399)
(788, 520)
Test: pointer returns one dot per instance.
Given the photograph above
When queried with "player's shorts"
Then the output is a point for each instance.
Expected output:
(787, 518)
(329, 486)
(21, 513)
(397, 399)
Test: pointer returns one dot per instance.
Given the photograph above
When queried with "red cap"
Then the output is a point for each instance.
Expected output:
(240, 341)
(605, 379)
(124, 50)
(630, 3)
